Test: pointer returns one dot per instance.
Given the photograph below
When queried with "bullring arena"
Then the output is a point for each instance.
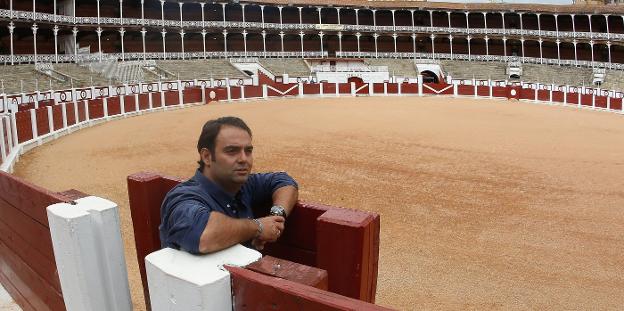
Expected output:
(485, 138)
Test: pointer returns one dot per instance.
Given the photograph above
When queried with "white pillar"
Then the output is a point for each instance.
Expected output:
(487, 46)
(301, 34)
(281, 34)
(300, 15)
(34, 30)
(264, 43)
(99, 35)
(558, 51)
(203, 33)
(203, 14)
(433, 45)
(245, 41)
(609, 51)
(338, 12)
(431, 18)
(225, 33)
(162, 12)
(394, 37)
(375, 35)
(262, 14)
(448, 14)
(374, 17)
(280, 15)
(469, 38)
(319, 15)
(591, 46)
(180, 5)
(143, 33)
(164, 34)
(522, 48)
(574, 42)
(11, 29)
(55, 32)
(120, 11)
(223, 10)
(357, 19)
(393, 20)
(357, 37)
(243, 10)
(321, 34)
(451, 45)
(413, 45)
(503, 19)
(540, 41)
(122, 31)
(142, 12)
(182, 42)
(75, 32)
(340, 42)
(505, 46)
(98, 12)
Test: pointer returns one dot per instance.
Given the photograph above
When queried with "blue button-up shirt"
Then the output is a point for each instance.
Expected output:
(186, 208)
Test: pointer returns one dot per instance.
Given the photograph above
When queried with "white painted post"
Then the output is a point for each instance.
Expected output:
(399, 88)
(455, 92)
(229, 91)
(609, 101)
(2, 146)
(162, 98)
(337, 90)
(89, 255)
(385, 88)
(265, 92)
(50, 120)
(33, 123)
(136, 103)
(122, 104)
(105, 107)
(150, 100)
(565, 95)
(352, 88)
(579, 92)
(180, 94)
(242, 87)
(420, 85)
(86, 109)
(175, 284)
(537, 92)
(7, 131)
(474, 86)
(300, 89)
(492, 88)
(550, 95)
(37, 94)
(594, 99)
(321, 90)
(203, 94)
(64, 111)
(14, 128)
(371, 91)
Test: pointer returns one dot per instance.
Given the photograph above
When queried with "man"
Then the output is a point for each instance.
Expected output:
(213, 210)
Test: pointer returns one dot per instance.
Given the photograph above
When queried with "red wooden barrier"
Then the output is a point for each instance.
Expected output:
(220, 93)
(483, 90)
(409, 88)
(114, 106)
(96, 108)
(393, 88)
(378, 88)
(43, 127)
(255, 291)
(193, 95)
(362, 88)
(329, 88)
(499, 91)
(81, 111)
(27, 266)
(171, 98)
(601, 101)
(312, 89)
(572, 98)
(24, 127)
(465, 89)
(543, 95)
(344, 88)
(282, 89)
(527, 94)
(253, 91)
(57, 115)
(309, 238)
(156, 100)
(616, 103)
(438, 88)
(144, 101)
(235, 92)
(558, 96)
(129, 103)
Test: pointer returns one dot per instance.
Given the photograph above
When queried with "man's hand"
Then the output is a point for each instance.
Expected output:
(272, 227)
(257, 244)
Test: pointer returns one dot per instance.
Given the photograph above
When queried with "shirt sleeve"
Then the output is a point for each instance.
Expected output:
(263, 185)
(187, 222)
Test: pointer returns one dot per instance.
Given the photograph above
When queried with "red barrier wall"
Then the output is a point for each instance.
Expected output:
(465, 89)
(543, 95)
(27, 266)
(440, 88)
(362, 88)
(558, 96)
(329, 88)
(144, 101)
(129, 103)
(378, 88)
(57, 115)
(344, 88)
(255, 291)
(409, 88)
(96, 108)
(193, 95)
(393, 88)
(601, 101)
(156, 100)
(81, 111)
(499, 91)
(484, 91)
(43, 127)
(171, 98)
(114, 106)
(24, 127)
(572, 98)
(71, 118)
(312, 89)
(283, 88)
(527, 94)
(219, 94)
(252, 91)
(586, 99)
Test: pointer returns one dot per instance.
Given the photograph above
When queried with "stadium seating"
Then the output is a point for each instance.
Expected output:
(397, 67)
(474, 69)
(200, 69)
(294, 67)
(614, 80)
(562, 75)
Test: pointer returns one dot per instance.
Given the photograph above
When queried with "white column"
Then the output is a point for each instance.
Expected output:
(99, 35)
(338, 10)
(412, 14)
(264, 43)
(122, 31)
(431, 18)
(574, 42)
(609, 50)
(98, 12)
(505, 46)
(414, 45)
(393, 20)
(558, 51)
(262, 14)
(467, 23)
(521, 27)
(557, 24)
(469, 52)
(142, 12)
(375, 35)
(321, 34)
(340, 42)
(357, 18)
(281, 34)
(55, 32)
(143, 33)
(522, 48)
(54, 8)
(591, 46)
(487, 46)
(11, 29)
(574, 27)
(394, 37)
(164, 34)
(245, 41)
(75, 32)
(281, 18)
(319, 15)
(433, 45)
(162, 12)
(34, 30)
(301, 34)
(357, 36)
(539, 24)
(484, 19)
(182, 42)
(374, 17)
(607, 23)
(203, 14)
(540, 41)
(203, 33)
(120, 11)
(590, 25)
(225, 33)
(33, 13)
(448, 14)
(503, 19)
(223, 10)
(180, 5)
(300, 15)
(243, 10)
(451, 45)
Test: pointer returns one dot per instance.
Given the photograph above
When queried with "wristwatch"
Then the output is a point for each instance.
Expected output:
(278, 210)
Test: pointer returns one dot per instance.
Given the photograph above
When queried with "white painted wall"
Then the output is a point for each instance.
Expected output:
(343, 77)
(180, 281)
(89, 254)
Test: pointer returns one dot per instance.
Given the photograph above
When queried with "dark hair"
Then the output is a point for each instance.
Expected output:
(209, 133)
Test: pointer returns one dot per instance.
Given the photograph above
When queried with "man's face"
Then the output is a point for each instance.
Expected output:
(232, 160)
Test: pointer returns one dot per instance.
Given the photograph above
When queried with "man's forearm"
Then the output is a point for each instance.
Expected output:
(286, 197)
(222, 232)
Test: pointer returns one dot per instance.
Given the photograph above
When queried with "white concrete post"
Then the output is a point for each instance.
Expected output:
(180, 94)
(371, 92)
(50, 120)
(420, 85)
(136, 103)
(550, 95)
(321, 90)
(385, 88)
(300, 89)
(594, 100)
(399, 88)
(578, 97)
(14, 129)
(89, 255)
(105, 106)
(122, 104)
(64, 111)
(536, 92)
(352, 88)
(265, 92)
(33, 123)
(492, 88)
(203, 94)
(609, 101)
(2, 146)
(337, 89)
(242, 87)
(86, 109)
(455, 92)
(175, 284)
(474, 85)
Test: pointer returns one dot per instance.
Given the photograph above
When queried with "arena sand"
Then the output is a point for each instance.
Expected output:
(484, 204)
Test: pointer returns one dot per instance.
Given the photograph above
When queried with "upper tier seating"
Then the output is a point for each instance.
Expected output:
(614, 80)
(83, 74)
(294, 67)
(477, 70)
(13, 77)
(557, 74)
(200, 69)
(396, 67)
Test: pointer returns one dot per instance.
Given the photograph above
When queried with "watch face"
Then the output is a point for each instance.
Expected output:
(278, 211)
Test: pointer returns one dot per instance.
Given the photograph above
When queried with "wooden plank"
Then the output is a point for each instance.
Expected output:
(37, 235)
(292, 253)
(43, 264)
(31, 199)
(255, 291)
(292, 271)
(32, 287)
(15, 293)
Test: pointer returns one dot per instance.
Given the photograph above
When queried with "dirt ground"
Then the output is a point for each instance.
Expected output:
(484, 204)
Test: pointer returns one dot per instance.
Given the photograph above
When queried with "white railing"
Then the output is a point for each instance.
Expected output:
(113, 21)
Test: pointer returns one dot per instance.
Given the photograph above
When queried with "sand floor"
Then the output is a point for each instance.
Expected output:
(484, 204)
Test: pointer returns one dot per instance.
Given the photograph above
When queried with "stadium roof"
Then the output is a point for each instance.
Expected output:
(530, 8)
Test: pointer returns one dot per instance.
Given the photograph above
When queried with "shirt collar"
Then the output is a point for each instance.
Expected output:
(214, 190)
